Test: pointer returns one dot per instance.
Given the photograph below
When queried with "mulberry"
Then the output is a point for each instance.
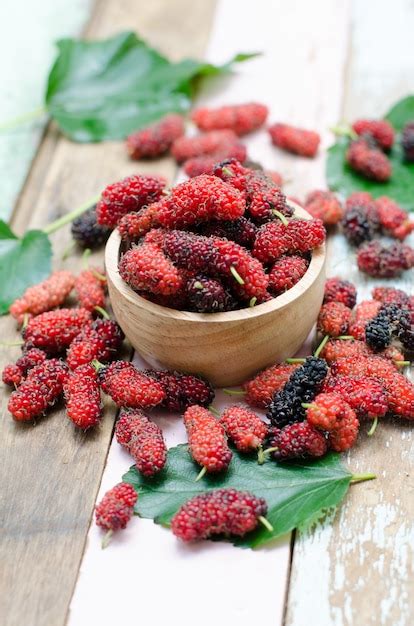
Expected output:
(274, 239)
(339, 290)
(54, 331)
(43, 297)
(143, 439)
(296, 441)
(261, 389)
(129, 387)
(296, 140)
(381, 261)
(146, 268)
(244, 428)
(334, 319)
(155, 140)
(365, 158)
(206, 440)
(380, 130)
(286, 272)
(241, 118)
(83, 397)
(324, 205)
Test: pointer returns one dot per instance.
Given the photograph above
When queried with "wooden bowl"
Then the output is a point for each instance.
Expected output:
(226, 348)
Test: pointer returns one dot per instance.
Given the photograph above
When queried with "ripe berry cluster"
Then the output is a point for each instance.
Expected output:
(217, 242)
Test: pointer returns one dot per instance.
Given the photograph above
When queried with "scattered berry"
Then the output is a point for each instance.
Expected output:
(244, 428)
(261, 389)
(87, 232)
(302, 386)
(116, 508)
(83, 397)
(100, 341)
(206, 439)
(155, 140)
(143, 439)
(204, 164)
(299, 236)
(14, 373)
(329, 411)
(220, 512)
(366, 396)
(212, 142)
(394, 221)
(182, 390)
(241, 118)
(41, 389)
(380, 130)
(341, 348)
(198, 200)
(54, 331)
(90, 289)
(380, 329)
(381, 261)
(129, 194)
(365, 311)
(334, 319)
(286, 272)
(324, 205)
(344, 437)
(297, 441)
(207, 295)
(360, 221)
(296, 140)
(146, 268)
(407, 141)
(391, 295)
(339, 290)
(365, 158)
(47, 295)
(129, 387)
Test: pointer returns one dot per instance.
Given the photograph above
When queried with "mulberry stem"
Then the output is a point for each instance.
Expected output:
(252, 301)
(11, 344)
(106, 539)
(198, 285)
(280, 216)
(97, 365)
(262, 454)
(321, 346)
(403, 363)
(360, 478)
(293, 361)
(234, 392)
(22, 119)
(344, 131)
(201, 473)
(346, 337)
(213, 410)
(102, 312)
(266, 523)
(236, 275)
(373, 427)
(69, 217)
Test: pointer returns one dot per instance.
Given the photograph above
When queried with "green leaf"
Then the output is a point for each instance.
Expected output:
(23, 262)
(344, 180)
(294, 492)
(106, 89)
(401, 113)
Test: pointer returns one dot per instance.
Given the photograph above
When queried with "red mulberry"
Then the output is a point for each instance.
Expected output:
(132, 226)
(143, 439)
(286, 272)
(212, 142)
(206, 439)
(14, 373)
(244, 428)
(297, 441)
(115, 509)
(129, 194)
(299, 236)
(366, 396)
(394, 221)
(41, 389)
(182, 390)
(83, 397)
(365, 311)
(207, 295)
(329, 411)
(339, 290)
(147, 268)
(155, 140)
(54, 331)
(100, 341)
(380, 130)
(241, 118)
(129, 387)
(205, 164)
(334, 319)
(366, 159)
(324, 205)
(220, 512)
(260, 389)
(45, 296)
(90, 289)
(381, 261)
(296, 140)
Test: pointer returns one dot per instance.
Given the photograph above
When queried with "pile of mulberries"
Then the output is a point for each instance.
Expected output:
(217, 242)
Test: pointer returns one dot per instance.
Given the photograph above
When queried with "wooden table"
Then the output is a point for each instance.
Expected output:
(323, 61)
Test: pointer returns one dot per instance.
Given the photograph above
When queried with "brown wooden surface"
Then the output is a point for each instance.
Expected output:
(50, 473)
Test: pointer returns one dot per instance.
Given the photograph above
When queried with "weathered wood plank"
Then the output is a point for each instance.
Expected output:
(50, 473)
(356, 566)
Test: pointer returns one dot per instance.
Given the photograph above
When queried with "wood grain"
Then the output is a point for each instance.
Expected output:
(356, 565)
(245, 341)
(50, 473)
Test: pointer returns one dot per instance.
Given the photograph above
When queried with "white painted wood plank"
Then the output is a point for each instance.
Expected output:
(145, 562)
(28, 31)
(356, 567)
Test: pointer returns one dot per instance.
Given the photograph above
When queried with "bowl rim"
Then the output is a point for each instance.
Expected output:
(315, 267)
